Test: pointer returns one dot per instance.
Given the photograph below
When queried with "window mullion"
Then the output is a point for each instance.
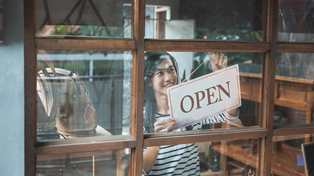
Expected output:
(268, 85)
(137, 89)
(30, 76)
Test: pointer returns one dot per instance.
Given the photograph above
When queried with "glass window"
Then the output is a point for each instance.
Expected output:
(295, 21)
(293, 88)
(287, 155)
(82, 18)
(82, 93)
(213, 20)
(237, 157)
(1, 23)
(179, 80)
(103, 163)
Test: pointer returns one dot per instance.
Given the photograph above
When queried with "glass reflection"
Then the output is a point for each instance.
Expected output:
(295, 21)
(212, 20)
(164, 70)
(288, 157)
(206, 159)
(82, 94)
(293, 88)
(82, 18)
(104, 163)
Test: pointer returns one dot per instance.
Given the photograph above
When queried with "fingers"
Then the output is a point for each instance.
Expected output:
(218, 60)
(225, 61)
(165, 125)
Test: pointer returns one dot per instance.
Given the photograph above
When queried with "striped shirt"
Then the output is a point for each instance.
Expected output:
(182, 159)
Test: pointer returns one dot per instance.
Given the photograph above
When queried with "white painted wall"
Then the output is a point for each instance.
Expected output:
(12, 90)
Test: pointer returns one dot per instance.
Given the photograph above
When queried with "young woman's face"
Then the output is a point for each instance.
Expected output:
(165, 76)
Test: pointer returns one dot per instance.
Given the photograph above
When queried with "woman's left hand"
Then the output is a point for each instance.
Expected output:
(165, 125)
(217, 60)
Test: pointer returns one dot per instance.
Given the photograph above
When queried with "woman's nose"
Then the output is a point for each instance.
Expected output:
(168, 76)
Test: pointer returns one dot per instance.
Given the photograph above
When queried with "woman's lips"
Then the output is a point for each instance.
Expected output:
(168, 85)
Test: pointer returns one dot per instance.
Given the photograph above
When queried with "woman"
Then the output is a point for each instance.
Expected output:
(160, 73)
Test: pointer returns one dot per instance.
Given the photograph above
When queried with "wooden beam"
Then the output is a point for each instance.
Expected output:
(204, 136)
(293, 47)
(205, 46)
(30, 77)
(137, 87)
(51, 148)
(268, 87)
(294, 129)
(86, 44)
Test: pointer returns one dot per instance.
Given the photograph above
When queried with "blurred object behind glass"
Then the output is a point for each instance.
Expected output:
(82, 18)
(296, 21)
(208, 20)
(86, 84)
(294, 96)
(287, 158)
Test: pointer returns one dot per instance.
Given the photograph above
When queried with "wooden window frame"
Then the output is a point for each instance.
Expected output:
(265, 132)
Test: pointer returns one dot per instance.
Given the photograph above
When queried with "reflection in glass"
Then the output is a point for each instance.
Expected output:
(293, 88)
(82, 94)
(164, 70)
(287, 157)
(295, 21)
(213, 20)
(229, 157)
(104, 163)
(206, 159)
(82, 18)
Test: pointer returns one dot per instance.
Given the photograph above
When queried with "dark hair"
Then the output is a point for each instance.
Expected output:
(152, 61)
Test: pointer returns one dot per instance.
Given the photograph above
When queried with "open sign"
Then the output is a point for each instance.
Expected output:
(205, 96)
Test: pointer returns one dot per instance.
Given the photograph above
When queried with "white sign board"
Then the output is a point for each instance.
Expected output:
(205, 96)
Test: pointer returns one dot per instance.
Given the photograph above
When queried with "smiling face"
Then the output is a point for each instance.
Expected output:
(165, 76)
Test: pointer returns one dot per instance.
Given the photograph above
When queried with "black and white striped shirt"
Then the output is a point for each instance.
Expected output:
(182, 159)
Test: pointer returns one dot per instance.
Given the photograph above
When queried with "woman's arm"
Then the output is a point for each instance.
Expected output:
(233, 112)
(151, 153)
(149, 157)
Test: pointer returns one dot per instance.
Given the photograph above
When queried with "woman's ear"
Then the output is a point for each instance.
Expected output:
(150, 84)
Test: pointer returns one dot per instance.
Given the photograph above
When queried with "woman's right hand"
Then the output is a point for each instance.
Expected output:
(165, 125)
(217, 60)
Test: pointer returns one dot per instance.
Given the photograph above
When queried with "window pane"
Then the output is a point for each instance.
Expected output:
(296, 21)
(213, 20)
(104, 163)
(238, 157)
(294, 88)
(82, 18)
(82, 93)
(197, 104)
(287, 156)
(1, 23)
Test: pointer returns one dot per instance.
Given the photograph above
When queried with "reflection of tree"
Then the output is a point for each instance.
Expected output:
(60, 31)
(79, 28)
(295, 24)
(248, 62)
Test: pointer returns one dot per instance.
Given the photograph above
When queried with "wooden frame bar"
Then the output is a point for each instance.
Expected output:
(205, 46)
(204, 136)
(86, 44)
(294, 130)
(285, 47)
(50, 148)
(137, 95)
(269, 69)
(30, 77)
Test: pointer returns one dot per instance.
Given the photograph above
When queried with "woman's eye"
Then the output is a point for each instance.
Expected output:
(171, 69)
(158, 73)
